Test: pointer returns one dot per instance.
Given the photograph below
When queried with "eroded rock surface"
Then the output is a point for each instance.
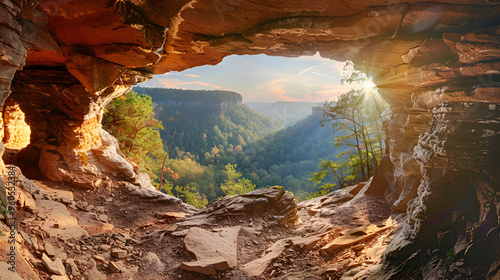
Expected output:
(434, 62)
(213, 251)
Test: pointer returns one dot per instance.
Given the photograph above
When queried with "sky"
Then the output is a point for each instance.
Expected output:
(261, 78)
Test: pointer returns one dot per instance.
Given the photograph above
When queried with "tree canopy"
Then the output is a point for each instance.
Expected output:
(356, 118)
(131, 119)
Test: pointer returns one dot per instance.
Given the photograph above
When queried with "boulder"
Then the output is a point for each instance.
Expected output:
(271, 204)
(55, 267)
(213, 251)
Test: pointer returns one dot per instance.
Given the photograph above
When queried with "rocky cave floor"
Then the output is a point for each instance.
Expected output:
(69, 232)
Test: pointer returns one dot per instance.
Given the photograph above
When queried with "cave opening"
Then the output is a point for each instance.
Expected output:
(16, 132)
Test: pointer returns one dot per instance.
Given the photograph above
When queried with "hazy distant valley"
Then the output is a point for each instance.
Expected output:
(289, 112)
(270, 143)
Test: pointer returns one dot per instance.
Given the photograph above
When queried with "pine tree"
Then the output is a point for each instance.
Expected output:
(131, 119)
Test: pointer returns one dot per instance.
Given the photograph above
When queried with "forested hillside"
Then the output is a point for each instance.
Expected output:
(221, 147)
(208, 137)
(288, 157)
(205, 121)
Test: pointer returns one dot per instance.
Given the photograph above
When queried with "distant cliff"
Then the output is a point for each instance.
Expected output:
(214, 99)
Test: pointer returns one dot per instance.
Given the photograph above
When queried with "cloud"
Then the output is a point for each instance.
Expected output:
(275, 88)
(324, 75)
(263, 78)
(332, 92)
(174, 83)
(310, 68)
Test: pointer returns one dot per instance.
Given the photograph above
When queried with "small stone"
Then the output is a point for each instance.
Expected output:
(180, 233)
(109, 199)
(59, 277)
(120, 238)
(97, 182)
(54, 267)
(172, 228)
(41, 216)
(358, 247)
(105, 247)
(116, 267)
(73, 267)
(103, 218)
(99, 258)
(49, 249)
(119, 253)
(65, 200)
(56, 225)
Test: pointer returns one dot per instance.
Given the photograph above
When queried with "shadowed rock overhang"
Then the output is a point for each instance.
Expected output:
(436, 63)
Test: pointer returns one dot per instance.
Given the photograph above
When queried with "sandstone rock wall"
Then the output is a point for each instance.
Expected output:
(436, 63)
(17, 131)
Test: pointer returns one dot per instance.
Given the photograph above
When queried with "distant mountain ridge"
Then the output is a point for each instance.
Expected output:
(181, 97)
(206, 119)
(288, 112)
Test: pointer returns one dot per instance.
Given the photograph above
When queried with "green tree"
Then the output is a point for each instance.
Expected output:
(356, 117)
(131, 119)
(332, 170)
(323, 190)
(191, 196)
(234, 185)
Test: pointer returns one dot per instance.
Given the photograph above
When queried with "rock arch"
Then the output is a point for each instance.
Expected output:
(435, 63)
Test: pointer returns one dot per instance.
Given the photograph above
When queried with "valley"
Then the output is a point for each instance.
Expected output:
(208, 137)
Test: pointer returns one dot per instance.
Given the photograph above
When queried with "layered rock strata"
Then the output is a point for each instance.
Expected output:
(435, 63)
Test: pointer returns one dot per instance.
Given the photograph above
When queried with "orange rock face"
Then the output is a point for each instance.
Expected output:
(436, 63)
(16, 131)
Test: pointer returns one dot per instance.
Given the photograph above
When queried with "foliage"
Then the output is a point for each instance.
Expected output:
(131, 119)
(341, 171)
(357, 118)
(323, 190)
(209, 138)
(234, 184)
(179, 96)
(448, 258)
(191, 196)
(167, 187)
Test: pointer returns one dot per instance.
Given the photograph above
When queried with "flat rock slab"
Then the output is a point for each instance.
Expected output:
(257, 267)
(355, 235)
(6, 274)
(213, 250)
(55, 267)
(306, 243)
(59, 214)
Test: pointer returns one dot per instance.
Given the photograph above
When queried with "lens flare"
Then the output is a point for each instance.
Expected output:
(370, 87)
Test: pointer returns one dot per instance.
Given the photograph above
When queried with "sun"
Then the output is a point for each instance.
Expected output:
(370, 87)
